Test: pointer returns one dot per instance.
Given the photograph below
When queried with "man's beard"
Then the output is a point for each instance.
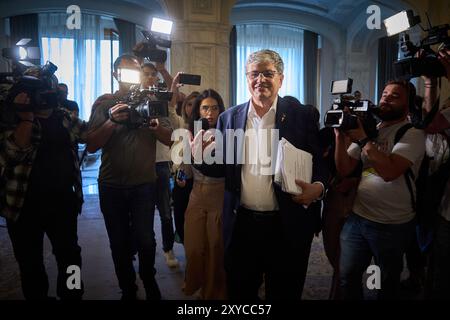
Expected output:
(391, 114)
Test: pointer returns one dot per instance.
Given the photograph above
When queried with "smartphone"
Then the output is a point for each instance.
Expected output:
(181, 175)
(205, 124)
(192, 79)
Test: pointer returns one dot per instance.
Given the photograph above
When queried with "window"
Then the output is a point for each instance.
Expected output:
(286, 41)
(83, 57)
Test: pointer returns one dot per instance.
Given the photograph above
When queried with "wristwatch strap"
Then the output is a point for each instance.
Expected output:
(361, 143)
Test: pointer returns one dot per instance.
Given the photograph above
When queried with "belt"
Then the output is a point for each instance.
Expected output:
(258, 214)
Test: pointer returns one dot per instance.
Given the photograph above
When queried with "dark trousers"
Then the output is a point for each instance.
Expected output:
(180, 203)
(440, 260)
(163, 204)
(415, 258)
(58, 219)
(360, 240)
(129, 216)
(258, 251)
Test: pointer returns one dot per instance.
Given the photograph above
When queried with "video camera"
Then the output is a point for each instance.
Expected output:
(149, 49)
(38, 82)
(346, 110)
(146, 104)
(427, 64)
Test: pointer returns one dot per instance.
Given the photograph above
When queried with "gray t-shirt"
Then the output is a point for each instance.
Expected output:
(388, 202)
(128, 158)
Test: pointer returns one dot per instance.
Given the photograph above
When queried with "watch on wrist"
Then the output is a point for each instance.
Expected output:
(361, 143)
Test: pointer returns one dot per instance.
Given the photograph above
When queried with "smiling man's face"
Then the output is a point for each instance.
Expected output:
(264, 81)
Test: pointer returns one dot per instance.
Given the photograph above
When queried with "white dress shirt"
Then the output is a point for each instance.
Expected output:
(257, 191)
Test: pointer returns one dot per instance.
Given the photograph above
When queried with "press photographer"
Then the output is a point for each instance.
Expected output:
(41, 183)
(149, 79)
(438, 182)
(121, 126)
(382, 222)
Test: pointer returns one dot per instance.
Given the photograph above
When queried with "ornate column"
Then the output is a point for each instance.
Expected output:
(200, 42)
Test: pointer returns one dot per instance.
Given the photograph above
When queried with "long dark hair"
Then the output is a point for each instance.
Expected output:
(186, 118)
(208, 93)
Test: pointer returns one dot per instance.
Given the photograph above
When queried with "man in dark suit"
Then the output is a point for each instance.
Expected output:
(268, 232)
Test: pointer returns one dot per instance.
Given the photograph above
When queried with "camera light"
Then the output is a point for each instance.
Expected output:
(400, 22)
(132, 76)
(22, 53)
(33, 53)
(161, 26)
(23, 42)
(341, 86)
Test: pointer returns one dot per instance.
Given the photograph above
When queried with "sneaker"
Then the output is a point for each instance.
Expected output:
(171, 261)
(129, 296)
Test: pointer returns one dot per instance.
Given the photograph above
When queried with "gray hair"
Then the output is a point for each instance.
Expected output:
(266, 55)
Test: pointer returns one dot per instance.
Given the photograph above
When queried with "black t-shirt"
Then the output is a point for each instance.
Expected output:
(53, 168)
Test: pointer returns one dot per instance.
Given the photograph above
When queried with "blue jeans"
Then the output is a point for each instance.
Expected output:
(163, 204)
(360, 240)
(129, 213)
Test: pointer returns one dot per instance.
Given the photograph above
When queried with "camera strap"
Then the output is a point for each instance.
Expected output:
(430, 115)
(409, 175)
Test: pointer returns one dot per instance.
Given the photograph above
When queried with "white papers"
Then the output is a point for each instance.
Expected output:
(292, 164)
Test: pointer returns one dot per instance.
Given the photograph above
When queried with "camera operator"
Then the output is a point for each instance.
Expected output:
(440, 122)
(150, 79)
(438, 141)
(127, 182)
(382, 221)
(41, 187)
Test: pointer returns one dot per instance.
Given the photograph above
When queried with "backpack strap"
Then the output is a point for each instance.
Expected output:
(409, 175)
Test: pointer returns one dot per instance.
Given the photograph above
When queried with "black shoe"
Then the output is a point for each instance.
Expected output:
(128, 296)
(412, 284)
(152, 291)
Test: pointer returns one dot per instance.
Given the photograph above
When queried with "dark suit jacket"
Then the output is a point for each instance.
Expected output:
(297, 124)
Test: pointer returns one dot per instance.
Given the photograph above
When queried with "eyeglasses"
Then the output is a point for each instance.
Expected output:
(268, 74)
(206, 108)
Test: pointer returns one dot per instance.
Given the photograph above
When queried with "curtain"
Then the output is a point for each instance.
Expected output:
(25, 26)
(233, 63)
(82, 57)
(287, 41)
(388, 53)
(127, 35)
(310, 67)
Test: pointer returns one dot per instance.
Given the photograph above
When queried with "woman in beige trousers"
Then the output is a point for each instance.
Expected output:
(203, 218)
